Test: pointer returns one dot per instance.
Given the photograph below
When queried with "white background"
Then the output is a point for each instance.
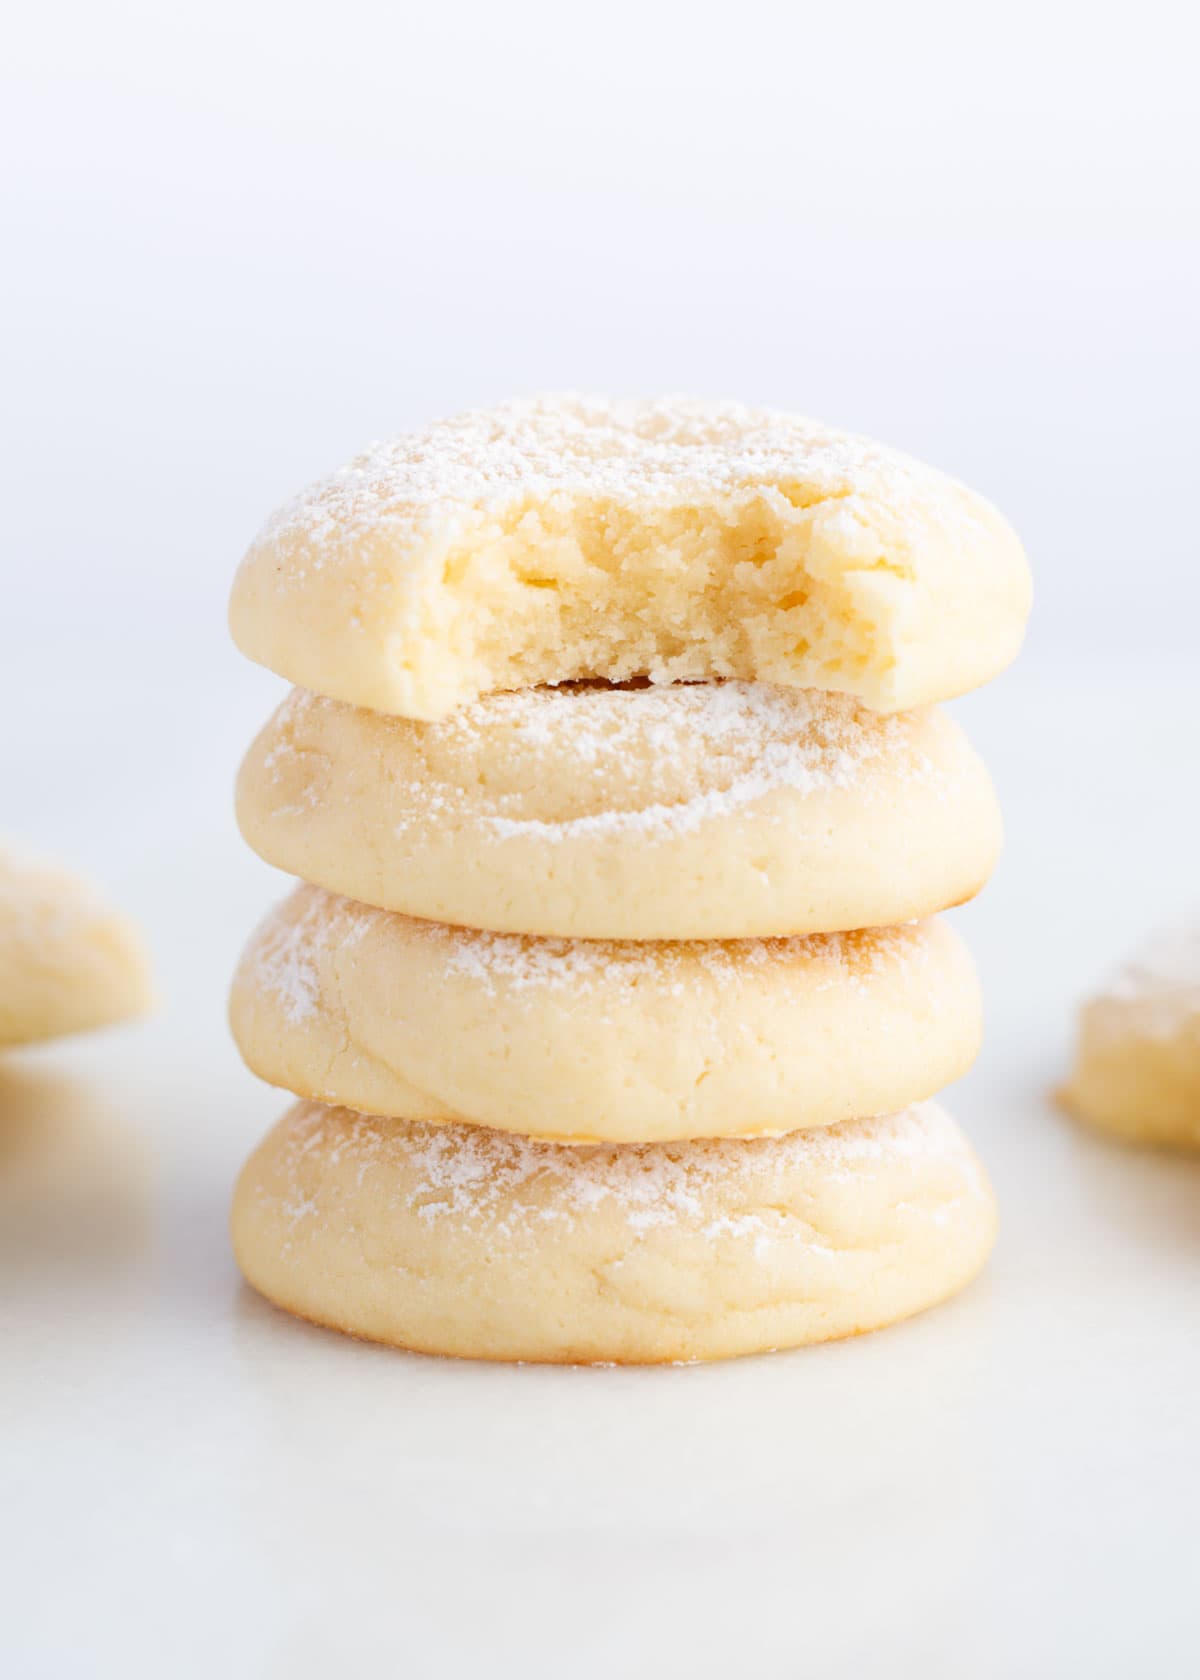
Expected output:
(241, 241)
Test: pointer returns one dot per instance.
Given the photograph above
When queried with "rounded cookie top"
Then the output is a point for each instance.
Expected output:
(1163, 971)
(567, 537)
(1136, 1069)
(633, 453)
(479, 1176)
(647, 763)
(1156, 990)
(68, 962)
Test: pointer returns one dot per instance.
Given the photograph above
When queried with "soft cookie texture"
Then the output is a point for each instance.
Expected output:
(457, 1240)
(1137, 1063)
(598, 1040)
(697, 811)
(564, 538)
(67, 962)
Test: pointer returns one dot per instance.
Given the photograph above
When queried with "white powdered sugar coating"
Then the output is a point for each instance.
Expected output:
(659, 452)
(652, 762)
(284, 953)
(287, 951)
(1161, 980)
(755, 739)
(472, 1176)
(521, 963)
(280, 762)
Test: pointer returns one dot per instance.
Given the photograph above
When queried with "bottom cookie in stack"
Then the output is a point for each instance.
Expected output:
(455, 1239)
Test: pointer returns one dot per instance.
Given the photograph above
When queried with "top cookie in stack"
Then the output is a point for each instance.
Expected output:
(567, 540)
(576, 675)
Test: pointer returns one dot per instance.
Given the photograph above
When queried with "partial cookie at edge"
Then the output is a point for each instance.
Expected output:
(68, 963)
(1137, 1061)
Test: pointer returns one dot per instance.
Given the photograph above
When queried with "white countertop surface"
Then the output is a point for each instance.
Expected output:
(196, 1485)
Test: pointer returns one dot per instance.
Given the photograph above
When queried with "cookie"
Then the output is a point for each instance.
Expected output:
(456, 1240)
(568, 538)
(67, 962)
(595, 1039)
(1137, 1061)
(697, 811)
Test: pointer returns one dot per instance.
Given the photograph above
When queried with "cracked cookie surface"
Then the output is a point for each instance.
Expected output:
(458, 1240)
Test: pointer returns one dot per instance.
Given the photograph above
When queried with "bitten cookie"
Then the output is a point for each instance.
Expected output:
(701, 811)
(457, 1240)
(67, 962)
(567, 537)
(1137, 1063)
(584, 1040)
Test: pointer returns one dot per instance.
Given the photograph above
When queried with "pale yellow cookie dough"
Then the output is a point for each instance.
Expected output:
(567, 537)
(1137, 1062)
(67, 962)
(586, 1040)
(702, 811)
(456, 1240)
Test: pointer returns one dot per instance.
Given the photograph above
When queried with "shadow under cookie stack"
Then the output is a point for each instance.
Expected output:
(614, 991)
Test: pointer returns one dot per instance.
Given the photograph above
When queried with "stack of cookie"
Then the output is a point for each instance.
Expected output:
(616, 994)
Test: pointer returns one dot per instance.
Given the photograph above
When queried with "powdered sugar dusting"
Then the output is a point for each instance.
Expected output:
(739, 743)
(722, 1188)
(286, 951)
(644, 763)
(1162, 978)
(282, 958)
(659, 451)
(521, 963)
